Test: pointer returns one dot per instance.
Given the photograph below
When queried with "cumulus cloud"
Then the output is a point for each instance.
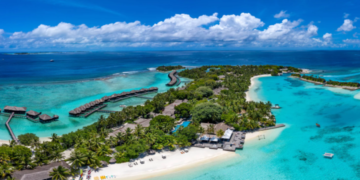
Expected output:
(327, 36)
(346, 26)
(179, 30)
(282, 14)
(352, 41)
(1, 31)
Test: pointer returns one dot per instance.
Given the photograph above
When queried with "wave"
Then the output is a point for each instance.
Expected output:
(130, 72)
(116, 74)
(345, 75)
(151, 69)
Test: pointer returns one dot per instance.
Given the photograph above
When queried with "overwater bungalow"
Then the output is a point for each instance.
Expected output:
(132, 92)
(44, 118)
(16, 110)
(33, 114)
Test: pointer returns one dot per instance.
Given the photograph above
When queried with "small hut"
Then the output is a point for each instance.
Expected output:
(112, 160)
(33, 114)
(73, 112)
(132, 92)
(45, 118)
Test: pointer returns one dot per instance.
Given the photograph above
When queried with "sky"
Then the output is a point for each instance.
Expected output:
(92, 25)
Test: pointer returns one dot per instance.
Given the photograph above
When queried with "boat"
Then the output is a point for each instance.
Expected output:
(317, 125)
(328, 155)
(51, 60)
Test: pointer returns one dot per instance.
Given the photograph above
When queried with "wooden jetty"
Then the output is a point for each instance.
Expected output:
(174, 80)
(94, 110)
(94, 106)
(9, 128)
(107, 111)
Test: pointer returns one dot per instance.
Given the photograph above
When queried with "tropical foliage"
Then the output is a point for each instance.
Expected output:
(28, 139)
(169, 68)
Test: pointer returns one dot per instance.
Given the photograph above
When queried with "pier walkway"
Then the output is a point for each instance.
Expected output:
(94, 110)
(174, 80)
(144, 97)
(9, 128)
(107, 111)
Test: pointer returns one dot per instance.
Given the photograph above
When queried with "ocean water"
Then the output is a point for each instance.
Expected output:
(297, 152)
(60, 98)
(76, 78)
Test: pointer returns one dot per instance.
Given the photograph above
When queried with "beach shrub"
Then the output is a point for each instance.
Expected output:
(28, 138)
(206, 112)
(183, 110)
(204, 91)
(104, 158)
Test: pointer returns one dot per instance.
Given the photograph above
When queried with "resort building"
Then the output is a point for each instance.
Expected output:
(143, 122)
(217, 126)
(44, 118)
(170, 109)
(39, 173)
(32, 114)
(16, 110)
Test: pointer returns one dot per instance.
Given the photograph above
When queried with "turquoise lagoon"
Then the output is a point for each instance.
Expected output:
(296, 152)
(60, 98)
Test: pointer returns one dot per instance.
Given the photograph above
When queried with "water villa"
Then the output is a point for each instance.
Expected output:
(16, 110)
(276, 107)
(96, 106)
(173, 78)
(44, 118)
(32, 114)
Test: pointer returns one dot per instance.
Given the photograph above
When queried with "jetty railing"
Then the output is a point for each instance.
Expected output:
(9, 128)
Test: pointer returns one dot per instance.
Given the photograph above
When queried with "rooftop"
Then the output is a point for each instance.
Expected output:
(39, 173)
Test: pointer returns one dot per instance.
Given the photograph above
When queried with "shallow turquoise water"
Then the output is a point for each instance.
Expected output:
(60, 98)
(298, 151)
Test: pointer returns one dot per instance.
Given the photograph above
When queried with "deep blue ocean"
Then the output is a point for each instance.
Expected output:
(294, 152)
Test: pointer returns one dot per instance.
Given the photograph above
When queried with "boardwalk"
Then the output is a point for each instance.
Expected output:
(174, 80)
(106, 111)
(9, 128)
(94, 110)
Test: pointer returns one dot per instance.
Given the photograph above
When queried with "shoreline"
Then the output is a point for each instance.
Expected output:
(176, 162)
(252, 84)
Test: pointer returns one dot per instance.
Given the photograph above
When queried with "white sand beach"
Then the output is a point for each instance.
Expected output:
(306, 70)
(253, 83)
(175, 161)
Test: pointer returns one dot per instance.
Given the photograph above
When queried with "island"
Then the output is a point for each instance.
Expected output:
(169, 68)
(210, 112)
(329, 83)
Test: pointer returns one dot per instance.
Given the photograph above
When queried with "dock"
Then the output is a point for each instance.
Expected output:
(9, 128)
(271, 127)
(94, 110)
(106, 111)
(174, 79)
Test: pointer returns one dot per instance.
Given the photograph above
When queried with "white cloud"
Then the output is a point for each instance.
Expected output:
(347, 26)
(327, 36)
(180, 30)
(356, 19)
(352, 41)
(346, 15)
(355, 35)
(282, 14)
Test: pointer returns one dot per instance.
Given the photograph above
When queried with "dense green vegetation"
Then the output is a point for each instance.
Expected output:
(337, 83)
(296, 75)
(329, 82)
(28, 139)
(314, 78)
(91, 144)
(169, 68)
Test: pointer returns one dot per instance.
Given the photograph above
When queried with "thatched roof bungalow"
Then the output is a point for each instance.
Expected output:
(33, 114)
(19, 110)
(38, 173)
(47, 118)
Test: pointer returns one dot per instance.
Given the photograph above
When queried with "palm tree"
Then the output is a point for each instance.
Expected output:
(220, 133)
(5, 170)
(211, 129)
(201, 130)
(91, 159)
(59, 173)
(57, 155)
(103, 151)
(77, 159)
(55, 138)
